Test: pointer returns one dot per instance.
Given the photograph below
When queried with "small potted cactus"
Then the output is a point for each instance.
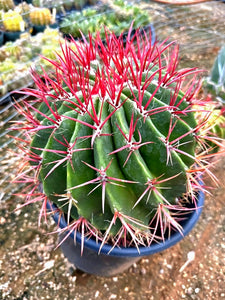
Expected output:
(14, 25)
(40, 18)
(113, 146)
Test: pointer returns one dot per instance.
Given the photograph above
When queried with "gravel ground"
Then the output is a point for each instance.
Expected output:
(32, 268)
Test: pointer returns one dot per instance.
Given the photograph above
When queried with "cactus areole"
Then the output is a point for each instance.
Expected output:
(113, 139)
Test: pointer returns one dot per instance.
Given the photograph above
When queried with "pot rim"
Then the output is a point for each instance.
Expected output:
(180, 2)
(90, 243)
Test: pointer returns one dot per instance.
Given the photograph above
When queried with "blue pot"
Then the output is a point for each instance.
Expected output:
(1, 38)
(37, 29)
(119, 259)
(12, 36)
(41, 28)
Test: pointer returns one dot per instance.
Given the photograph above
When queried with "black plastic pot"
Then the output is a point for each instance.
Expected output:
(113, 261)
(37, 28)
(41, 28)
(11, 36)
(1, 38)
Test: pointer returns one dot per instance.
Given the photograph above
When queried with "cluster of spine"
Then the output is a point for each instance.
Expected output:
(41, 16)
(115, 142)
(13, 21)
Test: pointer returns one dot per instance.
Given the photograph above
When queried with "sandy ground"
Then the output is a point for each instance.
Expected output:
(31, 267)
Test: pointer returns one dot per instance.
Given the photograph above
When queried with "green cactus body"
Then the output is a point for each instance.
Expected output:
(78, 173)
(150, 162)
(62, 133)
(41, 16)
(118, 141)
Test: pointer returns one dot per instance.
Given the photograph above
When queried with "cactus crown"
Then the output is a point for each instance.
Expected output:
(115, 141)
(41, 16)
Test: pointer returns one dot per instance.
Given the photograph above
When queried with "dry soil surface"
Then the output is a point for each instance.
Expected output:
(31, 268)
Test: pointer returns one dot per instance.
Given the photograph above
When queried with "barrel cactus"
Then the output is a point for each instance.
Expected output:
(41, 16)
(113, 139)
(13, 21)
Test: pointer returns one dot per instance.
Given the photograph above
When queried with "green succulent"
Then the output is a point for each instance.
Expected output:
(117, 19)
(215, 82)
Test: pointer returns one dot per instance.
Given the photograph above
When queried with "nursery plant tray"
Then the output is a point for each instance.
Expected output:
(5, 99)
(11, 96)
(116, 16)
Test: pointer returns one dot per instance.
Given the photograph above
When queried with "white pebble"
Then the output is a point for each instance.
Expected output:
(96, 294)
(197, 290)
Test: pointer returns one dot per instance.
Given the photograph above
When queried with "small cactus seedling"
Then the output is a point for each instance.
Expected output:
(115, 142)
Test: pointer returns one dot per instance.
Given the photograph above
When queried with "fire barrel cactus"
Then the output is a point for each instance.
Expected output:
(113, 138)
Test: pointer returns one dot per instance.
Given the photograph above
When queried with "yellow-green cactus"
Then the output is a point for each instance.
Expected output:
(13, 50)
(1, 16)
(13, 21)
(6, 5)
(41, 16)
(24, 9)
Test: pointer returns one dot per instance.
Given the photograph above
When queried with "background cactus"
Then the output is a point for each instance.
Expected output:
(41, 16)
(215, 82)
(24, 10)
(215, 126)
(13, 21)
(114, 141)
(79, 4)
(218, 128)
(15, 57)
(61, 6)
(6, 5)
(117, 19)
